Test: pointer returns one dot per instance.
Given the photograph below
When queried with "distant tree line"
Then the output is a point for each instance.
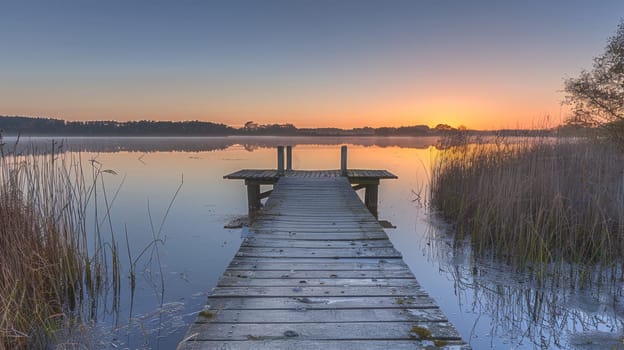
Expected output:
(47, 126)
(37, 126)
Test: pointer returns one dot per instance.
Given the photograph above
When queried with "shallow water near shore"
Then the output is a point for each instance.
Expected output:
(491, 305)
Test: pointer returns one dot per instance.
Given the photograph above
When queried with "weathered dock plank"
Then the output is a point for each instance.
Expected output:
(235, 281)
(287, 243)
(407, 330)
(318, 291)
(323, 344)
(273, 174)
(302, 264)
(333, 274)
(324, 315)
(366, 252)
(320, 303)
(318, 271)
(324, 236)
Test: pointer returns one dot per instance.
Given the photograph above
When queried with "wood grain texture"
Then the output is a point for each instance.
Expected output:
(318, 271)
(320, 344)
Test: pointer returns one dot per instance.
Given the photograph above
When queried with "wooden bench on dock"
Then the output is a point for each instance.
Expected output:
(318, 272)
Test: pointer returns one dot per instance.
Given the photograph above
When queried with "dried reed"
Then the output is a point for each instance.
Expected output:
(48, 265)
(536, 203)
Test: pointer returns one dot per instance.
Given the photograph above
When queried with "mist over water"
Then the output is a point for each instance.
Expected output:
(491, 305)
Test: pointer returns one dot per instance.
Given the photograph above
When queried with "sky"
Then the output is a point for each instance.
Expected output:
(484, 64)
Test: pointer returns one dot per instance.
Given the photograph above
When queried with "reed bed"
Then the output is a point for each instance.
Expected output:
(536, 203)
(49, 267)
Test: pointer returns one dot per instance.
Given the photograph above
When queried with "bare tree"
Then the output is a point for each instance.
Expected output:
(597, 96)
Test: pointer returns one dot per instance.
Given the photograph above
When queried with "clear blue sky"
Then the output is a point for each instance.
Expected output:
(340, 63)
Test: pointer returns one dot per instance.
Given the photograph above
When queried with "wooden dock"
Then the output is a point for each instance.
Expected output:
(362, 179)
(319, 272)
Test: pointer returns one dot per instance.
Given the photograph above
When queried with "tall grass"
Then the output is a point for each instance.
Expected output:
(48, 267)
(536, 202)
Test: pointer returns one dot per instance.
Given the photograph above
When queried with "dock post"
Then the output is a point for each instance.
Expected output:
(288, 157)
(253, 197)
(280, 160)
(370, 198)
(343, 161)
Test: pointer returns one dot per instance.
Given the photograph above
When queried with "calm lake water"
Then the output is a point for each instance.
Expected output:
(491, 305)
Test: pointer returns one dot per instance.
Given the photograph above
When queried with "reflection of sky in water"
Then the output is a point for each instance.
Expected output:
(197, 248)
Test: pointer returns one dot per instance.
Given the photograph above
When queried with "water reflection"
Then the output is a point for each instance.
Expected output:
(176, 252)
(523, 312)
(199, 144)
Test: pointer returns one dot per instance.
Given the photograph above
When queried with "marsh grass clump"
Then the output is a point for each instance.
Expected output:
(536, 202)
(48, 267)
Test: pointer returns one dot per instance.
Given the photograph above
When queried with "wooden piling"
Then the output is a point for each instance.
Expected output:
(343, 161)
(253, 197)
(280, 160)
(371, 197)
(288, 157)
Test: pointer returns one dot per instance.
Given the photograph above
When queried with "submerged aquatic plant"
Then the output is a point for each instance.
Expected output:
(521, 311)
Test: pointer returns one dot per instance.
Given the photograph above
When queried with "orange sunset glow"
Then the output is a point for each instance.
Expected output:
(477, 65)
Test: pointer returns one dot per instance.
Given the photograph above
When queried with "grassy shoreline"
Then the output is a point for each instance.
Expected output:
(535, 203)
